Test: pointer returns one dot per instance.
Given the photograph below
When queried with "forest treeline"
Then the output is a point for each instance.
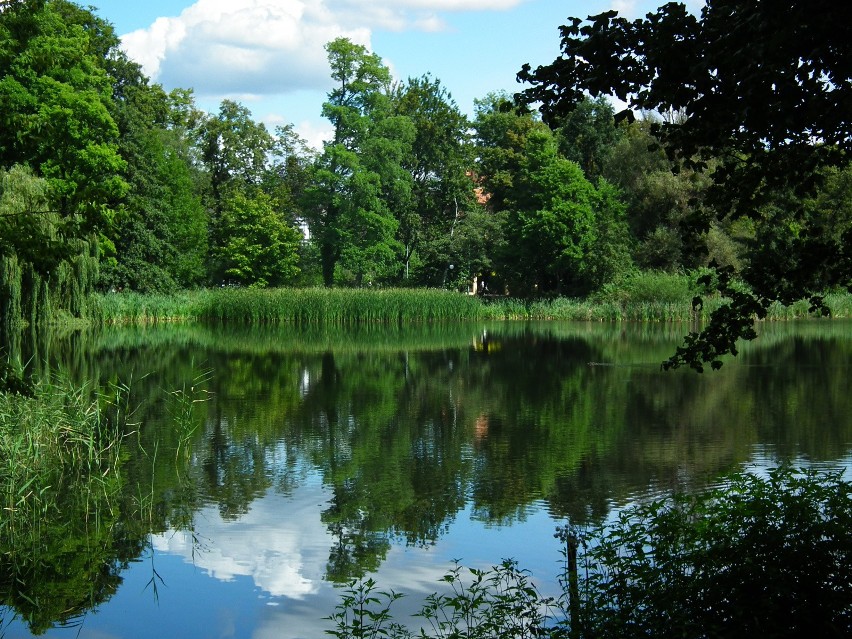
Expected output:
(109, 182)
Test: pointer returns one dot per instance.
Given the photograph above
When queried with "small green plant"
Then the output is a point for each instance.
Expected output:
(364, 613)
(495, 603)
(12, 379)
(182, 404)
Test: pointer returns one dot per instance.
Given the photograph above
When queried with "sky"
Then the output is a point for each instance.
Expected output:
(269, 55)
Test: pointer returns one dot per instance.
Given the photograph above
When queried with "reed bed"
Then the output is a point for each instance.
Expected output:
(299, 306)
(62, 440)
(61, 425)
(645, 297)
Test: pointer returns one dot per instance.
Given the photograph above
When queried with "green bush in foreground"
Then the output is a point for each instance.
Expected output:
(756, 557)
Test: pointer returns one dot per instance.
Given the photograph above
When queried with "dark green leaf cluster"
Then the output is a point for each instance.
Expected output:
(759, 556)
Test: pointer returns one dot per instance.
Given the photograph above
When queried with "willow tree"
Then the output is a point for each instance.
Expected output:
(41, 272)
(55, 97)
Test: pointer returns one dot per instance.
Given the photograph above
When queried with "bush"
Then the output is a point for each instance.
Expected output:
(757, 557)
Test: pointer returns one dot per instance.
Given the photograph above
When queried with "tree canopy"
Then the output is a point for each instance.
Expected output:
(762, 89)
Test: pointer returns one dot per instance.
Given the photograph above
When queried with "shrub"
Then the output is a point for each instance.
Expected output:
(756, 557)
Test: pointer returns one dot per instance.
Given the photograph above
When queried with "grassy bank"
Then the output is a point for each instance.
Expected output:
(302, 306)
(645, 297)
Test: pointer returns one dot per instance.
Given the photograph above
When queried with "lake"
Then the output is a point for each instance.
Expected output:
(265, 465)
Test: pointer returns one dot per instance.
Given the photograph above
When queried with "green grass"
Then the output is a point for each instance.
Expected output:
(301, 306)
(641, 297)
(62, 440)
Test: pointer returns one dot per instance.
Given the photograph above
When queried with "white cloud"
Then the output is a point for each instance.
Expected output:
(459, 5)
(229, 48)
(635, 9)
(315, 134)
(281, 544)
(625, 8)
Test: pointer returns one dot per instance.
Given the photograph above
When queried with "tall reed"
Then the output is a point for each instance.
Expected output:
(642, 297)
(62, 438)
(301, 306)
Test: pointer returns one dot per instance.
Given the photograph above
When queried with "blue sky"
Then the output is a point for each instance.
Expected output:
(268, 54)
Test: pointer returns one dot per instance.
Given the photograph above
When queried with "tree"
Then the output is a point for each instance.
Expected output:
(258, 247)
(439, 164)
(763, 88)
(159, 234)
(588, 134)
(660, 203)
(553, 220)
(234, 149)
(54, 107)
(562, 234)
(58, 156)
(358, 178)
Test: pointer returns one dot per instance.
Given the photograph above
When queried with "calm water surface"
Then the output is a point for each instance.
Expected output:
(266, 465)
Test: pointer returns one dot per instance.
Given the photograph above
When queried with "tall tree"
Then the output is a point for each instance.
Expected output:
(440, 164)
(159, 235)
(359, 177)
(763, 87)
(562, 233)
(660, 202)
(251, 175)
(235, 149)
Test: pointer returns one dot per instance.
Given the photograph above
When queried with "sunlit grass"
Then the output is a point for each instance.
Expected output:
(60, 442)
(642, 297)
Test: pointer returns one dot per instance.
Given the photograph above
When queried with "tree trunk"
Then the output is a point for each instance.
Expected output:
(328, 258)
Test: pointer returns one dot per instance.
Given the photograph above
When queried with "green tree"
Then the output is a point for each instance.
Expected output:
(660, 203)
(587, 135)
(159, 235)
(440, 164)
(258, 247)
(760, 88)
(553, 220)
(358, 178)
(501, 141)
(55, 97)
(561, 233)
(234, 150)
(42, 273)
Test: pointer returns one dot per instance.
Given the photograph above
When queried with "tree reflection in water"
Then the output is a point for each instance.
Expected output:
(405, 429)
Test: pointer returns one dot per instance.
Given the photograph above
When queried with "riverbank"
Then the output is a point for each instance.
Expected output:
(666, 299)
